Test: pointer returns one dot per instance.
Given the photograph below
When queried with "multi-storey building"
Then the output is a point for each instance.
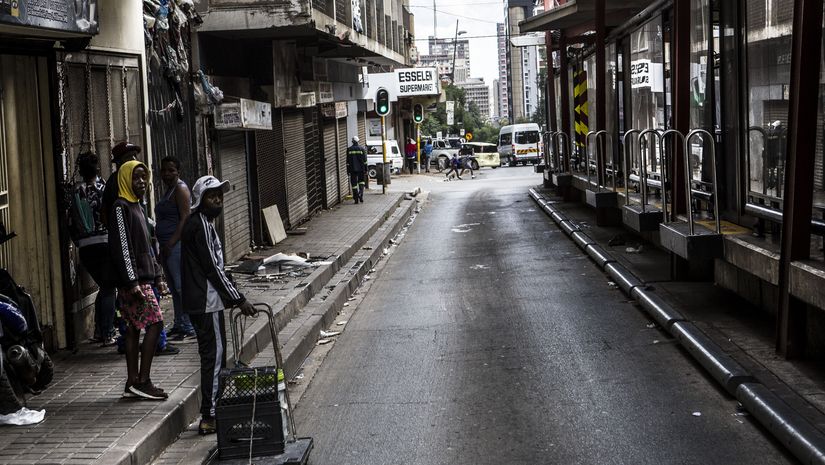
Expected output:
(503, 100)
(478, 93)
(494, 108)
(443, 54)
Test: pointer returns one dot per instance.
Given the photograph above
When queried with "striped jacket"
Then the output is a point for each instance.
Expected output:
(206, 288)
(129, 245)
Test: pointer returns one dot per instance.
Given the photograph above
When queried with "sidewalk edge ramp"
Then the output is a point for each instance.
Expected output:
(803, 439)
(148, 439)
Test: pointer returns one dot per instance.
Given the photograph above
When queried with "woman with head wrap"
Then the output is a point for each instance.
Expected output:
(136, 269)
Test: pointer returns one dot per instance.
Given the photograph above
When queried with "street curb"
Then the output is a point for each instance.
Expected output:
(803, 439)
(149, 438)
(297, 348)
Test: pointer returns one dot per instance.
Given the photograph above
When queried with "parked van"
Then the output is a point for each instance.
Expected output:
(374, 156)
(520, 143)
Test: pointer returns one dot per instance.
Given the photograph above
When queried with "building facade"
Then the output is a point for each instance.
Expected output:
(477, 93)
(446, 53)
(503, 94)
(665, 67)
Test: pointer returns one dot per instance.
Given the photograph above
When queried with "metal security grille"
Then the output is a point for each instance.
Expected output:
(343, 143)
(296, 181)
(172, 126)
(362, 127)
(342, 12)
(331, 163)
(233, 168)
(314, 161)
(270, 169)
(101, 106)
(379, 20)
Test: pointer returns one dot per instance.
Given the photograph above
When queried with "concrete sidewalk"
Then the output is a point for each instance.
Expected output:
(86, 419)
(728, 337)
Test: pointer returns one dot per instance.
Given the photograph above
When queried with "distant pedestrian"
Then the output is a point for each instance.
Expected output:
(426, 154)
(88, 232)
(466, 155)
(357, 169)
(136, 270)
(455, 166)
(207, 290)
(171, 212)
(410, 151)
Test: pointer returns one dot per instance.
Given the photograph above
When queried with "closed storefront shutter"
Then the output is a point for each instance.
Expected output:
(362, 128)
(296, 183)
(236, 229)
(331, 162)
(343, 143)
(314, 161)
(271, 170)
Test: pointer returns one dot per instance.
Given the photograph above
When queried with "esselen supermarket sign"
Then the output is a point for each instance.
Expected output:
(416, 81)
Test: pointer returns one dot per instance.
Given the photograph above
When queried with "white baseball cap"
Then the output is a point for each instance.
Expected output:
(204, 184)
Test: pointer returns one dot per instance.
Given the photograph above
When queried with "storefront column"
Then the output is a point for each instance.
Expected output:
(550, 83)
(601, 72)
(681, 98)
(799, 171)
(565, 89)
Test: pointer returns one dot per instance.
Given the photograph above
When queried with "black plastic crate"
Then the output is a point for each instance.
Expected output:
(240, 386)
(234, 427)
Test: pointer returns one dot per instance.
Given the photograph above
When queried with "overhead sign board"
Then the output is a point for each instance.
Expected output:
(530, 39)
(73, 16)
(245, 114)
(647, 74)
(404, 82)
(416, 81)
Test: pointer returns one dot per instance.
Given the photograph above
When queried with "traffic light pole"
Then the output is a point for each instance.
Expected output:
(418, 146)
(384, 153)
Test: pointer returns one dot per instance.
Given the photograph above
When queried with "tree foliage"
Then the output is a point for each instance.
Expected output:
(469, 119)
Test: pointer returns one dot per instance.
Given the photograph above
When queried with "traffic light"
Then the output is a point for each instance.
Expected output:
(382, 102)
(418, 113)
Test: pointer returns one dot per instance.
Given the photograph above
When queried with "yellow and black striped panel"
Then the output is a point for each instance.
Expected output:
(580, 120)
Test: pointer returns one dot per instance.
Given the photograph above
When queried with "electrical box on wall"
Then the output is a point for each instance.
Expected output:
(243, 115)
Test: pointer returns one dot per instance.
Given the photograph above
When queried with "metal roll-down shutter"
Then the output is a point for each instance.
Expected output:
(331, 162)
(343, 144)
(296, 172)
(271, 170)
(314, 161)
(236, 229)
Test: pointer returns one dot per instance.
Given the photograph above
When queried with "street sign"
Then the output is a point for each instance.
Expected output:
(468, 136)
(438, 134)
(450, 112)
(450, 119)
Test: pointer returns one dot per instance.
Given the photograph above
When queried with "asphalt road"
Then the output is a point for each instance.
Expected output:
(488, 338)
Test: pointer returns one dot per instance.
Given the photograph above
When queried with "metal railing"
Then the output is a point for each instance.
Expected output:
(601, 143)
(708, 137)
(564, 158)
(628, 153)
(643, 162)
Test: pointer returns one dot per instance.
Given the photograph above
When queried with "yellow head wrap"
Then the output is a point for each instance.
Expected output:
(124, 180)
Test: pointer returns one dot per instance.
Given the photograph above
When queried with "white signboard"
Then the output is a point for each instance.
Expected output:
(450, 118)
(646, 74)
(416, 81)
(439, 135)
(450, 106)
(245, 114)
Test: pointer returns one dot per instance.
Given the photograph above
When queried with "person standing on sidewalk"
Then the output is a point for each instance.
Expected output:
(88, 232)
(136, 270)
(357, 169)
(426, 154)
(410, 151)
(171, 212)
(207, 290)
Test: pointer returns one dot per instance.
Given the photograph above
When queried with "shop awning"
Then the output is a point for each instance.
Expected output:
(579, 16)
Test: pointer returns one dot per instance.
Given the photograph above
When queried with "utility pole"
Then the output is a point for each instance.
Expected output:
(455, 48)
(435, 23)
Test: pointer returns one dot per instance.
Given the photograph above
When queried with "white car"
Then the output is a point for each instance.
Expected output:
(374, 156)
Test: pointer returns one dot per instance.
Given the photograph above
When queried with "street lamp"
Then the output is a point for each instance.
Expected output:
(455, 48)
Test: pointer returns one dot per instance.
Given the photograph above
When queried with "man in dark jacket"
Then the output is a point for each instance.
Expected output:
(207, 290)
(357, 169)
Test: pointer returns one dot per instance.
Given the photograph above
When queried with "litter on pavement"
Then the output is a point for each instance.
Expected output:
(329, 333)
(23, 417)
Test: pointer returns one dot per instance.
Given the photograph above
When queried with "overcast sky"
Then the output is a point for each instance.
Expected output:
(478, 18)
